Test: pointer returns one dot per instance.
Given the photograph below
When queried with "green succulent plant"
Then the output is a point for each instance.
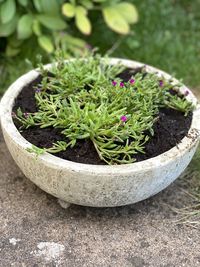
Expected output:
(89, 101)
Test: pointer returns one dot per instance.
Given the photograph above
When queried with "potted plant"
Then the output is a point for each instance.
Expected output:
(100, 132)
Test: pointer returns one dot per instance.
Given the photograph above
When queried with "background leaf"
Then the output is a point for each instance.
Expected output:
(87, 4)
(8, 28)
(99, 1)
(52, 22)
(51, 7)
(68, 10)
(24, 27)
(82, 21)
(46, 43)
(36, 28)
(37, 5)
(8, 9)
(128, 11)
(23, 2)
(115, 20)
(12, 51)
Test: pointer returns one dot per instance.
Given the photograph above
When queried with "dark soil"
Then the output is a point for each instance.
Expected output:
(169, 129)
(26, 98)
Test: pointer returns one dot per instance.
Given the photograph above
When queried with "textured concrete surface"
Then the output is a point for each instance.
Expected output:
(36, 231)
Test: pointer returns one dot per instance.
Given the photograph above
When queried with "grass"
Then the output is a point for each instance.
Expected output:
(167, 36)
(190, 180)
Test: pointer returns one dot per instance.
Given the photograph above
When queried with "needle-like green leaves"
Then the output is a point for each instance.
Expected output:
(85, 100)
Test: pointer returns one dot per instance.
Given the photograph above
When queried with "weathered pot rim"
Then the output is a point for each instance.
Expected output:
(186, 144)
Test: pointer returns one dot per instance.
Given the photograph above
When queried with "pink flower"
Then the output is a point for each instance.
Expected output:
(38, 90)
(186, 93)
(13, 115)
(114, 83)
(88, 46)
(161, 83)
(132, 81)
(26, 115)
(121, 84)
(123, 118)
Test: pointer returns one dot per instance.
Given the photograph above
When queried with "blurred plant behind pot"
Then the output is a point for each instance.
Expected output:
(56, 23)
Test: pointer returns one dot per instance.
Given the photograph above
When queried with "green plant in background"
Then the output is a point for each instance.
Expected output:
(88, 101)
(52, 21)
(166, 30)
(166, 36)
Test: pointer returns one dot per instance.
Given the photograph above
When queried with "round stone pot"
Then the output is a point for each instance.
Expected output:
(96, 185)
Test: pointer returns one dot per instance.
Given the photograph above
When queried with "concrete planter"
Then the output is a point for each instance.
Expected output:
(94, 185)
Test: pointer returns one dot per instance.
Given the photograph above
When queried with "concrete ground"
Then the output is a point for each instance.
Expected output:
(36, 231)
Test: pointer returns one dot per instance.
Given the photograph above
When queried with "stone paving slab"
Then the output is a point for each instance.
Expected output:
(36, 231)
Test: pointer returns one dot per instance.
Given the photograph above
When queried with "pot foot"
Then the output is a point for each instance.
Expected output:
(64, 204)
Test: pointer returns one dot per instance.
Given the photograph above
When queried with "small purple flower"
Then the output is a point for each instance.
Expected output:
(186, 93)
(114, 83)
(132, 81)
(13, 115)
(161, 83)
(88, 47)
(121, 84)
(123, 118)
(38, 90)
(26, 115)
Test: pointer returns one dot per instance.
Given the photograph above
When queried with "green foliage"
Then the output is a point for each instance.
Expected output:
(175, 102)
(89, 101)
(119, 17)
(167, 30)
(24, 27)
(50, 21)
(7, 11)
(82, 21)
(166, 36)
(45, 42)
